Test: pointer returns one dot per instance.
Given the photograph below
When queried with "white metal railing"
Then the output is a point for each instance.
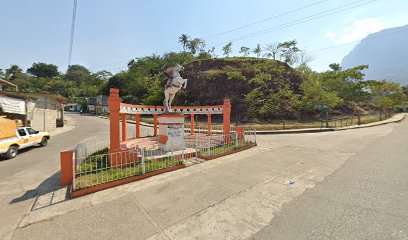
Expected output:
(100, 167)
(144, 131)
(208, 146)
(89, 146)
(96, 169)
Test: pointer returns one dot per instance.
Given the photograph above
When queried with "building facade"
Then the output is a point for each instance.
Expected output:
(42, 111)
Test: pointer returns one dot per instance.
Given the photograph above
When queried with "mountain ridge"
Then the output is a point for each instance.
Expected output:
(386, 53)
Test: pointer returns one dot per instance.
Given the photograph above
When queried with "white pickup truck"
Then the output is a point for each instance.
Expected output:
(25, 137)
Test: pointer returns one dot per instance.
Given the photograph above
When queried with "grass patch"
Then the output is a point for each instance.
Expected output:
(94, 177)
(291, 124)
(96, 160)
(222, 149)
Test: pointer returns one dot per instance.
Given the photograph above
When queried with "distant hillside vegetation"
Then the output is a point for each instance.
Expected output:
(386, 53)
(212, 80)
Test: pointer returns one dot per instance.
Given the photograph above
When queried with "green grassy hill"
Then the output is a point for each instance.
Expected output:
(212, 80)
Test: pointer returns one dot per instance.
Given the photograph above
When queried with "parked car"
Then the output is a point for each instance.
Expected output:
(24, 137)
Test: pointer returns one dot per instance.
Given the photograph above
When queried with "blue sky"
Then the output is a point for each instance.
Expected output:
(109, 33)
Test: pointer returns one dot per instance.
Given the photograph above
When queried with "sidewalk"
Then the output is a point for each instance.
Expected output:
(394, 119)
(228, 198)
(68, 126)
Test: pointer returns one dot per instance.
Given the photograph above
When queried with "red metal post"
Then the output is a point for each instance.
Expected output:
(124, 133)
(137, 125)
(227, 116)
(192, 124)
(209, 124)
(155, 124)
(240, 133)
(114, 109)
(66, 158)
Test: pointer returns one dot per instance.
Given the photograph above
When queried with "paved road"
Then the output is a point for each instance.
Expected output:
(348, 185)
(34, 171)
(87, 126)
(365, 199)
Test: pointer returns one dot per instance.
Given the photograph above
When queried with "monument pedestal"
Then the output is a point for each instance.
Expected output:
(171, 131)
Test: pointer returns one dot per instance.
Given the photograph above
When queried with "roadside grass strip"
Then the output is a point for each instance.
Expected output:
(96, 171)
(222, 150)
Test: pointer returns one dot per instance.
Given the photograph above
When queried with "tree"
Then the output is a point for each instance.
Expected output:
(212, 52)
(289, 51)
(3, 74)
(184, 40)
(43, 70)
(245, 51)
(14, 71)
(196, 45)
(405, 90)
(78, 74)
(314, 94)
(257, 50)
(304, 58)
(24, 82)
(204, 55)
(272, 50)
(348, 84)
(335, 67)
(103, 75)
(227, 49)
(282, 104)
(386, 96)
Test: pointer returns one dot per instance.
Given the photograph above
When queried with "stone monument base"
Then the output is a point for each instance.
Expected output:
(171, 131)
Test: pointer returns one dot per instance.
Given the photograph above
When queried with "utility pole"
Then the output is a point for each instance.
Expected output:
(71, 40)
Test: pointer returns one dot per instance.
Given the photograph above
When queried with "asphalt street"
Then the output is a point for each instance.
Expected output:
(367, 198)
(346, 185)
(36, 169)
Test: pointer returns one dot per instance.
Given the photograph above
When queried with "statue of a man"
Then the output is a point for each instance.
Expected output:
(174, 83)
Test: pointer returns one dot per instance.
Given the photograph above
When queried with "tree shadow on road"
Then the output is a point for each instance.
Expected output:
(48, 193)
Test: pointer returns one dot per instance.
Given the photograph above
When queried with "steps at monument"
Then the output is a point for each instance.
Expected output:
(148, 143)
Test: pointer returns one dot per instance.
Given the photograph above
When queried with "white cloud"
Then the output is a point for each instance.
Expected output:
(358, 30)
(330, 35)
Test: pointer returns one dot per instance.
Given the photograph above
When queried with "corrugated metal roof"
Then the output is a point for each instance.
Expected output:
(7, 83)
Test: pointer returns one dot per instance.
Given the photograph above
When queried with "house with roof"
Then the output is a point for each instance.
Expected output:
(42, 111)
(6, 85)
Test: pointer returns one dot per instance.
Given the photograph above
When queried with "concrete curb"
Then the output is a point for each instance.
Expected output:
(293, 131)
(398, 118)
(133, 122)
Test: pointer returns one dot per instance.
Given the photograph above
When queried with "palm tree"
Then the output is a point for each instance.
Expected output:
(195, 45)
(258, 50)
(184, 39)
(14, 71)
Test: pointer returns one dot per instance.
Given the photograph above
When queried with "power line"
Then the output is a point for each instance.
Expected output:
(339, 45)
(264, 20)
(344, 44)
(232, 30)
(303, 20)
(366, 38)
(71, 40)
(325, 13)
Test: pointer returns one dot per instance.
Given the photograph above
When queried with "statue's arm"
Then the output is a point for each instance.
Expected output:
(168, 83)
